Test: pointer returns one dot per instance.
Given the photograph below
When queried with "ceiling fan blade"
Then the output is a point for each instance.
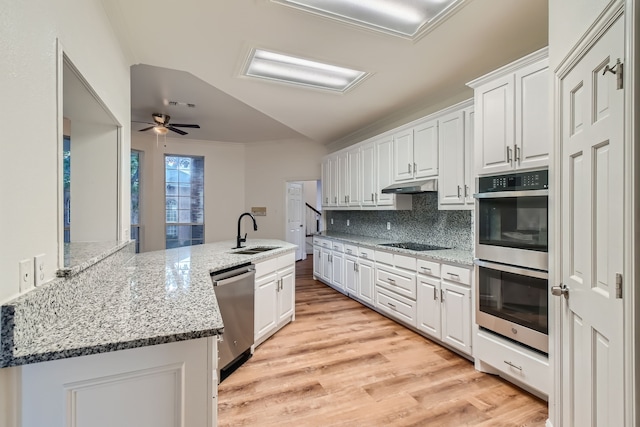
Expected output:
(185, 126)
(150, 127)
(136, 121)
(181, 132)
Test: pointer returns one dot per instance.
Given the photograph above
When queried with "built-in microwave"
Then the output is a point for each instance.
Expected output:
(512, 219)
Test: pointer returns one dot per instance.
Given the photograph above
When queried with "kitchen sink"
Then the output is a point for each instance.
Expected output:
(256, 250)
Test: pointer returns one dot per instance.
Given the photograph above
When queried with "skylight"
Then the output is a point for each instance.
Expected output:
(299, 71)
(404, 18)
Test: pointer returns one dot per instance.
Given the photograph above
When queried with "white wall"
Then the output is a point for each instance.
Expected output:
(29, 213)
(269, 165)
(224, 198)
(568, 22)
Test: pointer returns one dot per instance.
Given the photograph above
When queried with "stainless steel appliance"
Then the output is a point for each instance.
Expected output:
(512, 218)
(234, 289)
(512, 256)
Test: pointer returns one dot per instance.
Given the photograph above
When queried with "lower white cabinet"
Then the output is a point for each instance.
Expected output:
(317, 261)
(168, 385)
(396, 306)
(351, 274)
(274, 296)
(444, 307)
(366, 280)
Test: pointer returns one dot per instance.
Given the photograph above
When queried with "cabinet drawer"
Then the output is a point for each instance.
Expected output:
(396, 306)
(351, 250)
(287, 260)
(403, 261)
(429, 268)
(337, 246)
(514, 361)
(398, 281)
(367, 253)
(456, 274)
(384, 257)
(321, 242)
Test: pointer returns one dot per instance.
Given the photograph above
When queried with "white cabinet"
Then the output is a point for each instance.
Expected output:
(329, 181)
(415, 152)
(455, 186)
(166, 384)
(512, 116)
(395, 289)
(355, 176)
(337, 266)
(444, 304)
(317, 260)
(384, 171)
(366, 280)
(274, 295)
(351, 274)
(368, 174)
(342, 179)
(327, 268)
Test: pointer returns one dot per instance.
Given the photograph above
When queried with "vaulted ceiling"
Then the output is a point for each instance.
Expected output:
(194, 51)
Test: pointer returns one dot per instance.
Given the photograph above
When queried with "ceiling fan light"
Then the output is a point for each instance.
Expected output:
(160, 130)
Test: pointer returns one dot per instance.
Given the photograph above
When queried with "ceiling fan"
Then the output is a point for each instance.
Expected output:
(161, 125)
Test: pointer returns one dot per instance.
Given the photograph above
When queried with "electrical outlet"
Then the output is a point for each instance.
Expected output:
(26, 274)
(38, 261)
(347, 223)
(388, 225)
(331, 221)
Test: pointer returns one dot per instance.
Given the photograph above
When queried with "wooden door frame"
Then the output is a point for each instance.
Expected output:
(631, 244)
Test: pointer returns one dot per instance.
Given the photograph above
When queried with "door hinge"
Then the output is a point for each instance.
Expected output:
(618, 285)
(618, 70)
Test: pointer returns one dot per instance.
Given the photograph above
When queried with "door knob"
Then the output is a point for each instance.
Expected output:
(560, 290)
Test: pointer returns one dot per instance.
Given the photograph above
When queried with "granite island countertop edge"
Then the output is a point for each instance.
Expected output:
(149, 289)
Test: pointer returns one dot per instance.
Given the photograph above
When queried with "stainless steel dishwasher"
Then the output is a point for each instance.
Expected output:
(234, 289)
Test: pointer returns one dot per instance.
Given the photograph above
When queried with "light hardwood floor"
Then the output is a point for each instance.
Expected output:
(342, 364)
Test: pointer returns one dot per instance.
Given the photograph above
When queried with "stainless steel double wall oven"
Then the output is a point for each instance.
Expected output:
(512, 256)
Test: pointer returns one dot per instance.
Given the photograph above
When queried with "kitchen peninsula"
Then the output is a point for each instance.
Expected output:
(124, 327)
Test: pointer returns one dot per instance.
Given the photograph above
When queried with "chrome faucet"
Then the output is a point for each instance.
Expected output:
(241, 239)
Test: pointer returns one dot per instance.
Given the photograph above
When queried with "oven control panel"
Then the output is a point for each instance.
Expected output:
(534, 180)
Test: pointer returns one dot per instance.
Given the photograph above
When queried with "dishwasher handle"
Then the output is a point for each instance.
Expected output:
(233, 279)
(221, 277)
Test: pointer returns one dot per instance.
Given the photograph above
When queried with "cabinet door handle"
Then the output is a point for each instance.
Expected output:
(372, 197)
(518, 154)
(409, 169)
(459, 191)
(513, 366)
(376, 197)
(441, 295)
(435, 294)
(454, 275)
(426, 269)
(335, 200)
(508, 154)
(349, 251)
(391, 305)
(415, 167)
(390, 280)
(363, 254)
(466, 191)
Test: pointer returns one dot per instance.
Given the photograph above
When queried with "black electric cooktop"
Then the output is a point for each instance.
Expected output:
(413, 246)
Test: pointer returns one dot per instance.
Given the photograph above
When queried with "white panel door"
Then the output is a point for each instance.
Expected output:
(384, 163)
(403, 156)
(266, 305)
(353, 193)
(317, 262)
(368, 174)
(456, 316)
(342, 179)
(286, 294)
(429, 306)
(425, 149)
(366, 280)
(494, 107)
(451, 186)
(469, 129)
(351, 274)
(326, 182)
(533, 136)
(327, 267)
(592, 179)
(337, 265)
(295, 218)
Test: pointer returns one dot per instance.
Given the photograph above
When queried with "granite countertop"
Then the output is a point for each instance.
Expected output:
(150, 298)
(457, 256)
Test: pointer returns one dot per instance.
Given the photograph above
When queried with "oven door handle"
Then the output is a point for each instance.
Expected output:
(503, 194)
(512, 269)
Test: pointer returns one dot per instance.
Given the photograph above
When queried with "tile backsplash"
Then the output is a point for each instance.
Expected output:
(424, 224)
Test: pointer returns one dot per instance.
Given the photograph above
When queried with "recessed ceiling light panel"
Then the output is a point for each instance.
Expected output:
(289, 69)
(405, 18)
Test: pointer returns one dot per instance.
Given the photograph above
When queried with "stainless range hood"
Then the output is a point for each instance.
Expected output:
(415, 187)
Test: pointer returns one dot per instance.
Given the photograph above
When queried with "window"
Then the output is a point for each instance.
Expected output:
(135, 198)
(66, 180)
(184, 201)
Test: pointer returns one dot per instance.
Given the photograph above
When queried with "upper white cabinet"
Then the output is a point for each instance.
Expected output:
(368, 174)
(512, 116)
(415, 152)
(355, 176)
(342, 184)
(384, 171)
